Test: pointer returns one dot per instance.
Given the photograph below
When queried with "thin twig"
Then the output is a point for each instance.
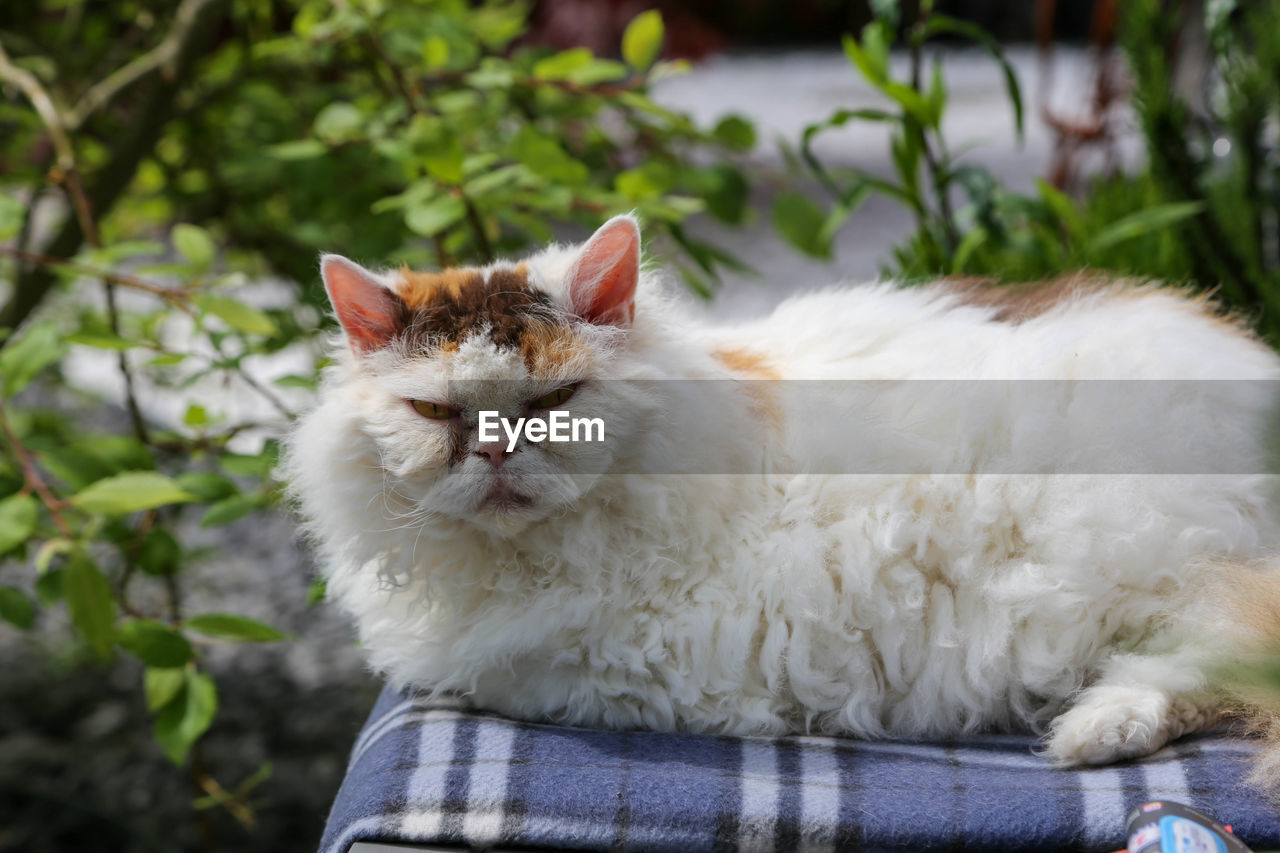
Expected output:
(48, 111)
(140, 431)
(169, 294)
(407, 91)
(262, 390)
(32, 481)
(163, 57)
(477, 228)
(940, 190)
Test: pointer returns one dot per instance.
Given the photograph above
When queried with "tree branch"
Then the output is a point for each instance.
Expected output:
(169, 294)
(48, 111)
(32, 480)
(136, 140)
(163, 57)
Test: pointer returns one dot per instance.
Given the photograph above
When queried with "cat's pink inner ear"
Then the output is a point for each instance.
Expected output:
(370, 314)
(602, 281)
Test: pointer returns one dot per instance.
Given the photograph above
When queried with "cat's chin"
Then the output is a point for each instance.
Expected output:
(502, 497)
(505, 509)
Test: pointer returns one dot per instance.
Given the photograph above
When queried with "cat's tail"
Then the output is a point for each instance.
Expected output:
(1238, 608)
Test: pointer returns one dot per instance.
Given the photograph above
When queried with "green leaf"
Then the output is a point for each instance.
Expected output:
(237, 315)
(561, 66)
(22, 360)
(727, 198)
(1142, 223)
(48, 551)
(162, 686)
(12, 212)
(186, 717)
(234, 627)
(642, 40)
(598, 71)
(296, 380)
(206, 486)
(316, 592)
(18, 515)
(972, 242)
(435, 52)
(338, 122)
(298, 149)
(1063, 209)
(800, 221)
(49, 587)
(735, 132)
(247, 466)
(154, 643)
(122, 452)
(160, 553)
(194, 244)
(544, 156)
(643, 182)
(16, 608)
(947, 24)
(130, 492)
(89, 598)
(231, 509)
(100, 340)
(432, 217)
(936, 97)
(887, 11)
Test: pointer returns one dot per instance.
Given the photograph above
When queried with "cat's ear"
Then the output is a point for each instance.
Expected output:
(602, 281)
(370, 314)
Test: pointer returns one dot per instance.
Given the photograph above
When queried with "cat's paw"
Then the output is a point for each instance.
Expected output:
(1111, 724)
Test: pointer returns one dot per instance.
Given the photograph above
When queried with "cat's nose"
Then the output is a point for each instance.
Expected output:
(494, 451)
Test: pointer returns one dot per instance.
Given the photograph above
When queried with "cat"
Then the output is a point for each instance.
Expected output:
(712, 565)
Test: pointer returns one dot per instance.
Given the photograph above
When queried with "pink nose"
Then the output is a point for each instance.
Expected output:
(494, 451)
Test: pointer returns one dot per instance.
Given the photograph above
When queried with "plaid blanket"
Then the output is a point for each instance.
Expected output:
(437, 774)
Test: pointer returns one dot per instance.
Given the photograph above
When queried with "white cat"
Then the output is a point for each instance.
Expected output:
(735, 558)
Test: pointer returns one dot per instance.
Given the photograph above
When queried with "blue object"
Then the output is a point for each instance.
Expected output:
(436, 773)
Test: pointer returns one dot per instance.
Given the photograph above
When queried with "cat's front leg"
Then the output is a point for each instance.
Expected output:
(1140, 704)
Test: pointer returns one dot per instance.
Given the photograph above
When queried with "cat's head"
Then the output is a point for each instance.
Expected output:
(426, 353)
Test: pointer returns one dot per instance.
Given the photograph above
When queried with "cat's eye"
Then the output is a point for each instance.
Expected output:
(558, 397)
(435, 411)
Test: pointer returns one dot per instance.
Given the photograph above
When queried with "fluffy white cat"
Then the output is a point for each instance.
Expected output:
(744, 556)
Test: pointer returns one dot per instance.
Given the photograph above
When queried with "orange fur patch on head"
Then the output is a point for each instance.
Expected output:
(422, 289)
(447, 307)
(549, 350)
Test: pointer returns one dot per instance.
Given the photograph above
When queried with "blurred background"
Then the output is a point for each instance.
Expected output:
(169, 172)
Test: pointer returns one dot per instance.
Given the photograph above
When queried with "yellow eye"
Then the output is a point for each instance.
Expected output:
(435, 411)
(557, 397)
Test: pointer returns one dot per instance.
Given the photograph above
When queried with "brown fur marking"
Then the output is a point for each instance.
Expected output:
(444, 308)
(752, 365)
(1018, 303)
(746, 363)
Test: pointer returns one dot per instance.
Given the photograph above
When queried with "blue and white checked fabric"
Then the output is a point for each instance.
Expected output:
(423, 773)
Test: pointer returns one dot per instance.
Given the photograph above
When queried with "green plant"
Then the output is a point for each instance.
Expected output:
(967, 221)
(394, 131)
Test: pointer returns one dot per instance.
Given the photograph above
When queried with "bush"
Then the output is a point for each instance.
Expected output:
(1205, 211)
(398, 132)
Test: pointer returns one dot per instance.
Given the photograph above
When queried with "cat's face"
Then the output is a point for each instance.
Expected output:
(433, 351)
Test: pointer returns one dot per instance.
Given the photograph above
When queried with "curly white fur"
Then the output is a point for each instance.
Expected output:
(868, 605)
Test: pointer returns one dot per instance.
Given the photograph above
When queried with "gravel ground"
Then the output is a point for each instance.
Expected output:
(78, 770)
